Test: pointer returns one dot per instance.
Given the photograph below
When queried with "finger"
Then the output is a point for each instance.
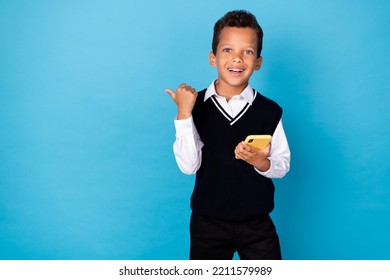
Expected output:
(240, 152)
(245, 151)
(236, 153)
(244, 154)
(267, 149)
(248, 148)
(171, 93)
(184, 88)
(244, 147)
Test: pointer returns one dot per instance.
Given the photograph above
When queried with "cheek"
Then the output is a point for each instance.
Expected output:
(220, 63)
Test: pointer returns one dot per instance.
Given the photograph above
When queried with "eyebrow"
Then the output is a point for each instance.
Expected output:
(251, 46)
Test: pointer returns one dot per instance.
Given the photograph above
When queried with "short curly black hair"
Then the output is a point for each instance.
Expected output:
(238, 18)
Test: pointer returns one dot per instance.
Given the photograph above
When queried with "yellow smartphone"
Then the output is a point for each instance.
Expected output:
(258, 141)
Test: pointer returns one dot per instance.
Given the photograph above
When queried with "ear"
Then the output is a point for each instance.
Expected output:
(212, 59)
(258, 63)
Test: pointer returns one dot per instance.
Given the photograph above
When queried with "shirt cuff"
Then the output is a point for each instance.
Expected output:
(184, 126)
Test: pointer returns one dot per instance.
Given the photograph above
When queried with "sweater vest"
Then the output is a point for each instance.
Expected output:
(225, 187)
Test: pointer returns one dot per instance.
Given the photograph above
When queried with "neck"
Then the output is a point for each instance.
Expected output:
(228, 91)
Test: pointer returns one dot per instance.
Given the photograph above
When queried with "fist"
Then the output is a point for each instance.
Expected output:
(184, 97)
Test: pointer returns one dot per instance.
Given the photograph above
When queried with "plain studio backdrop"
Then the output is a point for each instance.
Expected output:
(86, 130)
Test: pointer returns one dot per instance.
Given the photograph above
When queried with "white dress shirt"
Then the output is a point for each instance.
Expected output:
(188, 145)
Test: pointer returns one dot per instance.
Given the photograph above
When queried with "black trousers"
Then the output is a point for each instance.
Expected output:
(214, 239)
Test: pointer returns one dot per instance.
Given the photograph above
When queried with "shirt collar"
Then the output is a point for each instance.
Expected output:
(247, 93)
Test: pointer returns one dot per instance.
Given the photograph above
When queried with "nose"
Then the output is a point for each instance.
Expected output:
(236, 57)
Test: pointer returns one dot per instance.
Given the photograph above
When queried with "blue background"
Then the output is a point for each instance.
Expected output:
(86, 129)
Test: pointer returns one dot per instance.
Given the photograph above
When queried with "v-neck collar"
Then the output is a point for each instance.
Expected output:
(248, 94)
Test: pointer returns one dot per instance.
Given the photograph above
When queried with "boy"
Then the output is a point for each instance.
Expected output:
(233, 193)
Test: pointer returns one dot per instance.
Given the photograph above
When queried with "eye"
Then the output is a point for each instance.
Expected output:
(227, 50)
(249, 52)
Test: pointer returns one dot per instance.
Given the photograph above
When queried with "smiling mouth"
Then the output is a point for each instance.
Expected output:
(236, 70)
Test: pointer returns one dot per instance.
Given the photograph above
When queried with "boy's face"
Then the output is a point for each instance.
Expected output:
(235, 59)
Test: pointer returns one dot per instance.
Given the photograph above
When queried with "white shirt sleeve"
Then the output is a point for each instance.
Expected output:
(188, 146)
(279, 155)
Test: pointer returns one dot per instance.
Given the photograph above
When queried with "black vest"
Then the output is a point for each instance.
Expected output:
(227, 188)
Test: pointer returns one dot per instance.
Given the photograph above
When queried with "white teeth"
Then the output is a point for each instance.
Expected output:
(236, 70)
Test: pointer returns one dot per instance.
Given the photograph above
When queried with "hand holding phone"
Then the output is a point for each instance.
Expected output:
(255, 151)
(259, 142)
